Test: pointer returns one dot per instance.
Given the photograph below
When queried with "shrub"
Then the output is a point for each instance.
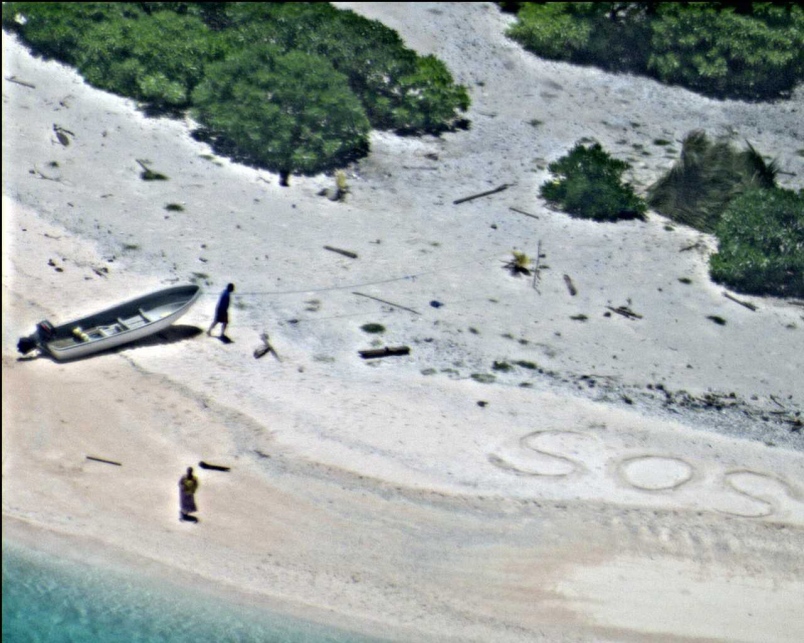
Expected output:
(57, 29)
(739, 50)
(761, 244)
(286, 112)
(398, 89)
(707, 176)
(716, 49)
(158, 59)
(588, 184)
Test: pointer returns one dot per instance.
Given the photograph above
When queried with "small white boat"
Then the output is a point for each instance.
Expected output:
(120, 324)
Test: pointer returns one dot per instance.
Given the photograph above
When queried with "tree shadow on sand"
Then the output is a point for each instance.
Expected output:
(171, 335)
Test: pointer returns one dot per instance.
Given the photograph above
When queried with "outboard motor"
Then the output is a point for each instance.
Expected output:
(27, 344)
(44, 332)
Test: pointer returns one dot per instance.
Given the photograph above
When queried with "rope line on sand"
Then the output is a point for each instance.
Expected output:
(358, 285)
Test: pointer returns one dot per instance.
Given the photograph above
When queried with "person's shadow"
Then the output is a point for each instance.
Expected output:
(225, 340)
(188, 518)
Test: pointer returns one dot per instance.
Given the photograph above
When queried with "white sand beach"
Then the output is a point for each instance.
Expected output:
(611, 479)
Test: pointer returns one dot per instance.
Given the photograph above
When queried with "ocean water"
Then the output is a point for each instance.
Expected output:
(53, 600)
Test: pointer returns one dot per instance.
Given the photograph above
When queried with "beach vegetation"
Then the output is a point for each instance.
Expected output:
(708, 174)
(290, 113)
(588, 184)
(761, 244)
(519, 264)
(749, 50)
(313, 79)
(372, 328)
(174, 207)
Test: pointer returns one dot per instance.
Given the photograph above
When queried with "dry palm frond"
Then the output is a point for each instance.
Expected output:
(708, 175)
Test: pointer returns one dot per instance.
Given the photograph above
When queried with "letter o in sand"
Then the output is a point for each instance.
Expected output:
(655, 472)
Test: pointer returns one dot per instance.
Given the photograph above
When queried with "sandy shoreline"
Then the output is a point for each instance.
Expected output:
(404, 497)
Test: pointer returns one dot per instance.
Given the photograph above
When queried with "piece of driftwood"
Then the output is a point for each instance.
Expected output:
(266, 347)
(14, 79)
(537, 268)
(625, 311)
(387, 302)
(213, 467)
(345, 253)
(94, 459)
(500, 188)
(527, 214)
(570, 286)
(388, 351)
(746, 304)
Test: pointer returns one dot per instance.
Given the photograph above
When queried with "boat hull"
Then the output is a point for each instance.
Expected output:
(119, 325)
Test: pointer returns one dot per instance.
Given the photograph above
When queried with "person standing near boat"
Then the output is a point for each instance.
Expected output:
(188, 485)
(222, 310)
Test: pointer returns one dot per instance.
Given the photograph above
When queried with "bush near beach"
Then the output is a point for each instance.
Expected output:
(725, 50)
(589, 185)
(329, 75)
(761, 243)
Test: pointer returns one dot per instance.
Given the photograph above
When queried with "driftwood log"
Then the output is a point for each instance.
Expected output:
(388, 351)
(14, 79)
(345, 253)
(213, 467)
(746, 304)
(500, 188)
(94, 459)
(625, 311)
(527, 214)
(570, 286)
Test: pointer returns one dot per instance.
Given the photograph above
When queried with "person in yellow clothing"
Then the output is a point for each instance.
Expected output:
(188, 485)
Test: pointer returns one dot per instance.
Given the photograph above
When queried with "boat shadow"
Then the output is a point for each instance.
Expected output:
(171, 335)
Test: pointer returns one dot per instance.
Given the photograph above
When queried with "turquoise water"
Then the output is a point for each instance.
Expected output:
(52, 600)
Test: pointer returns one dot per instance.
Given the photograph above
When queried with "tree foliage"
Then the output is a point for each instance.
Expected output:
(708, 175)
(761, 244)
(158, 58)
(740, 50)
(160, 52)
(588, 184)
(398, 89)
(292, 113)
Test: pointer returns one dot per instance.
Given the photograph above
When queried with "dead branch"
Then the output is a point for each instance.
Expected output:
(345, 253)
(746, 304)
(625, 311)
(504, 186)
(570, 286)
(266, 347)
(14, 79)
(527, 214)
(117, 464)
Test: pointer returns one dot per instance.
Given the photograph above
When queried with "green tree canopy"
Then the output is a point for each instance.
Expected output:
(761, 244)
(399, 90)
(158, 58)
(291, 113)
(56, 29)
(739, 50)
